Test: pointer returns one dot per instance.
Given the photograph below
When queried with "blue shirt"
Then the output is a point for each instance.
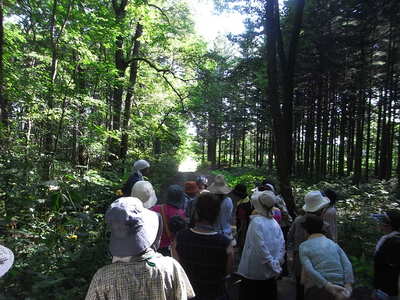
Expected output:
(223, 224)
(324, 261)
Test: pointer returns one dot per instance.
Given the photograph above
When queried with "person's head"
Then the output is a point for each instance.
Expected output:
(175, 196)
(240, 190)
(331, 194)
(134, 229)
(313, 224)
(144, 191)
(263, 202)
(315, 202)
(141, 165)
(388, 221)
(176, 224)
(207, 208)
(219, 186)
(191, 188)
(202, 182)
(267, 185)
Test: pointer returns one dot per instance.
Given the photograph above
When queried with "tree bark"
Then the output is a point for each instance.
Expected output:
(134, 67)
(4, 106)
(282, 120)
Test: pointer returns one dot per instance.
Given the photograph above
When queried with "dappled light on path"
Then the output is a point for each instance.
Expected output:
(188, 165)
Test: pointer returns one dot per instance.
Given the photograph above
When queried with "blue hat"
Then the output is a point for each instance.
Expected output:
(134, 228)
(175, 196)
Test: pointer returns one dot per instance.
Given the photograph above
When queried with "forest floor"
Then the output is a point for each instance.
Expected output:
(286, 285)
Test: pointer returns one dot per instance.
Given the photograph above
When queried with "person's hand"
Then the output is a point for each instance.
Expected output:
(349, 290)
(336, 290)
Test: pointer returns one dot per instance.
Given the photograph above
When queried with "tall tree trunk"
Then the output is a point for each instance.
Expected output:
(134, 66)
(282, 121)
(360, 116)
(378, 135)
(211, 144)
(121, 65)
(342, 134)
(3, 98)
(243, 148)
(368, 142)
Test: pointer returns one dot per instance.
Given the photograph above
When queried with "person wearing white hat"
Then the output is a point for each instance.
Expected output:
(145, 192)
(6, 260)
(137, 271)
(315, 202)
(140, 169)
(263, 252)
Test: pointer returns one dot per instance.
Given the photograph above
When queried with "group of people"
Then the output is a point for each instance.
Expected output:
(185, 248)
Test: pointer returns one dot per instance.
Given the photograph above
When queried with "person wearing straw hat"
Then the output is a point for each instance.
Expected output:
(315, 202)
(387, 258)
(140, 170)
(6, 260)
(144, 191)
(137, 271)
(221, 190)
(263, 252)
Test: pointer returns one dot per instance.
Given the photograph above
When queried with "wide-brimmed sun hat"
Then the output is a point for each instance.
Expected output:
(263, 201)
(134, 228)
(219, 186)
(145, 192)
(6, 260)
(314, 201)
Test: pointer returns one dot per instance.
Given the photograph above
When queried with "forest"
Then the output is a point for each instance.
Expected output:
(308, 95)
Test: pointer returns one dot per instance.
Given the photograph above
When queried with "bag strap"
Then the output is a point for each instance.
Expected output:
(164, 217)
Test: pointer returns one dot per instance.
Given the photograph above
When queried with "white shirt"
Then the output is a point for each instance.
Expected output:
(263, 251)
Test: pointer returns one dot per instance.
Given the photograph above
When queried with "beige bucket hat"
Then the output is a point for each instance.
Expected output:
(219, 186)
(314, 201)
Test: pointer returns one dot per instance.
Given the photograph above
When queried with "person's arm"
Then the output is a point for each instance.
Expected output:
(281, 255)
(327, 231)
(330, 217)
(93, 292)
(290, 244)
(347, 267)
(174, 252)
(290, 237)
(230, 259)
(309, 268)
(262, 249)
(182, 287)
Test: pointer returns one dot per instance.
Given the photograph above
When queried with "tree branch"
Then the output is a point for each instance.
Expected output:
(181, 98)
(65, 21)
(161, 11)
